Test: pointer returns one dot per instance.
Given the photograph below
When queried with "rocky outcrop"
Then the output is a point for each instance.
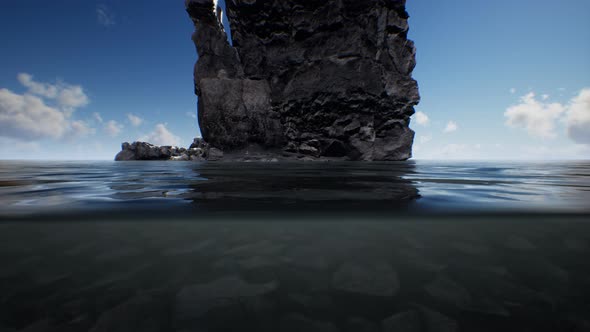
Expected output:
(198, 151)
(313, 79)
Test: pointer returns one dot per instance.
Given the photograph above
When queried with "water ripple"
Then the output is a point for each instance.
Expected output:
(39, 187)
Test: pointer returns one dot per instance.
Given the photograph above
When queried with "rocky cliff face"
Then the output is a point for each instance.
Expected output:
(325, 79)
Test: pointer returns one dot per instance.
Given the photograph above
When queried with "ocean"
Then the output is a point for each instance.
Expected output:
(404, 246)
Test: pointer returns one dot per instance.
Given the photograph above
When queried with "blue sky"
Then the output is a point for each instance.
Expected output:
(503, 79)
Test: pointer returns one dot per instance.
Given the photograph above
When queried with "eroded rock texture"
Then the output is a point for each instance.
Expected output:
(329, 78)
(198, 151)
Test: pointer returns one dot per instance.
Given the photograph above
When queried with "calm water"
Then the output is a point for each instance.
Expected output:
(417, 246)
(30, 188)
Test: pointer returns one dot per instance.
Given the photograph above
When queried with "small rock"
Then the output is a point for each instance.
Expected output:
(199, 143)
(309, 150)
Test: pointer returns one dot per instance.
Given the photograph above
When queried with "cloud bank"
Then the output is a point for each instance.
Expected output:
(28, 117)
(43, 111)
(540, 118)
(68, 97)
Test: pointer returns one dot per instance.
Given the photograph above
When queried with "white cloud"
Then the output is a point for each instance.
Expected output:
(97, 117)
(513, 90)
(161, 136)
(536, 117)
(422, 119)
(72, 97)
(424, 139)
(539, 118)
(81, 129)
(68, 97)
(43, 111)
(28, 117)
(451, 127)
(41, 89)
(135, 120)
(105, 16)
(578, 118)
(113, 128)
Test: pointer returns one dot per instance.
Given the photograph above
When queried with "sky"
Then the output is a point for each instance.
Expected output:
(499, 80)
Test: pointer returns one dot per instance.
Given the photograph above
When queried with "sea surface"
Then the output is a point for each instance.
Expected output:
(201, 189)
(419, 246)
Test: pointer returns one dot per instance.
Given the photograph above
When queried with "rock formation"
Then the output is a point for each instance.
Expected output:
(198, 151)
(321, 79)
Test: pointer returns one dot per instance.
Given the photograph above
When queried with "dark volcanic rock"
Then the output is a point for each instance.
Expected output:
(315, 78)
(198, 151)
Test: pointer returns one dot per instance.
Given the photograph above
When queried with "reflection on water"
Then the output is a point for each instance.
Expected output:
(197, 188)
(410, 275)
(295, 187)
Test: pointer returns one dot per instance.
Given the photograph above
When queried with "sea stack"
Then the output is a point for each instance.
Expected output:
(329, 79)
